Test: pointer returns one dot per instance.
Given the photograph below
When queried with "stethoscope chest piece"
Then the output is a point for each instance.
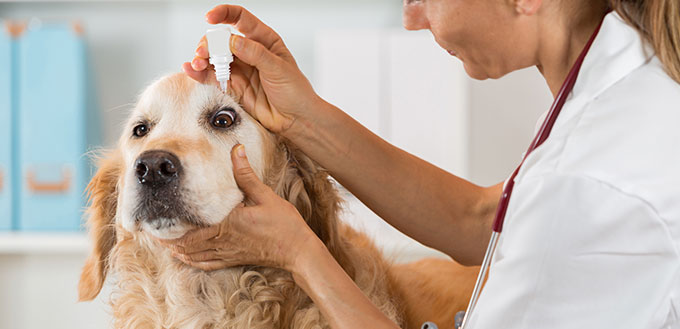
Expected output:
(458, 320)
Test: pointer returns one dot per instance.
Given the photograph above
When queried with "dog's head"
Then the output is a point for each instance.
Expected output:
(172, 172)
(175, 150)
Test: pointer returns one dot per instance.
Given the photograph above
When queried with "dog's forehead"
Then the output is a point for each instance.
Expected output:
(180, 94)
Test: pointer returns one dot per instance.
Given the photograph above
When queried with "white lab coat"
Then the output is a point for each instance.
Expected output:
(592, 233)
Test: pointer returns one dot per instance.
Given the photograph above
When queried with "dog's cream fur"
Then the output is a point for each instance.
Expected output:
(154, 290)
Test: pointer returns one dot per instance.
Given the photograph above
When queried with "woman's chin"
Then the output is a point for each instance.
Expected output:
(479, 73)
(475, 72)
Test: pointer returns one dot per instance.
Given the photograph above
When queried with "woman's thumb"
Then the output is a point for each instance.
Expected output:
(245, 177)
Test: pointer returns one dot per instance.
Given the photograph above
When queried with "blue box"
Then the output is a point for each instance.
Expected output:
(52, 106)
(5, 130)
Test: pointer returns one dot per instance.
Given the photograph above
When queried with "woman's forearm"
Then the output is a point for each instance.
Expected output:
(341, 302)
(427, 203)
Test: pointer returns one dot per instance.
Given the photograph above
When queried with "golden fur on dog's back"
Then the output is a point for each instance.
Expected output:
(154, 290)
(432, 290)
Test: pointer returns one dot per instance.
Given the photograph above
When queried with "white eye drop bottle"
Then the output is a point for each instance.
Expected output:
(220, 54)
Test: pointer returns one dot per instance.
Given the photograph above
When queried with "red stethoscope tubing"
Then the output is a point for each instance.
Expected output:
(541, 137)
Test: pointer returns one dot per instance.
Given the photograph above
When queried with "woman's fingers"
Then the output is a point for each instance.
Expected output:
(255, 54)
(210, 265)
(245, 69)
(206, 76)
(238, 84)
(241, 83)
(199, 76)
(194, 241)
(190, 248)
(201, 55)
(247, 87)
(246, 23)
(246, 178)
(200, 256)
(202, 49)
(199, 64)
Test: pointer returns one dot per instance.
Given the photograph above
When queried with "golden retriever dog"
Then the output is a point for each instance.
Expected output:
(171, 172)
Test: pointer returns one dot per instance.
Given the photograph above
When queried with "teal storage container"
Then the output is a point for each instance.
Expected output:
(5, 130)
(52, 128)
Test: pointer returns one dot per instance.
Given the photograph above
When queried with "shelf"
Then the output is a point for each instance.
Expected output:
(43, 243)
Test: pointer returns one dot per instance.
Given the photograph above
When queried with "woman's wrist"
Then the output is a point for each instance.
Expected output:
(341, 302)
(309, 251)
(304, 124)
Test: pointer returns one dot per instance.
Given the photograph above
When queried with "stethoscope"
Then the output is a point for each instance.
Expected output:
(462, 318)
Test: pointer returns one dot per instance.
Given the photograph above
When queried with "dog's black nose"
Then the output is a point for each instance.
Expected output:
(157, 168)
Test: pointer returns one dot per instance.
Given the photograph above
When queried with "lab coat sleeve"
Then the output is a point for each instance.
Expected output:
(578, 253)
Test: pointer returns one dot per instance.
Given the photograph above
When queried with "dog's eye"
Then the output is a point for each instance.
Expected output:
(140, 130)
(224, 118)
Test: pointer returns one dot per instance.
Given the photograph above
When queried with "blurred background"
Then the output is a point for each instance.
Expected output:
(70, 71)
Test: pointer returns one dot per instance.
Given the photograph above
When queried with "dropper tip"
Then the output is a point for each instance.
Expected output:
(223, 86)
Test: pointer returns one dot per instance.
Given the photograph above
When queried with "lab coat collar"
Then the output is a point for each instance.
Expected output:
(617, 50)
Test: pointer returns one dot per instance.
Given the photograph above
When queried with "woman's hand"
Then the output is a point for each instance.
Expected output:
(270, 233)
(264, 75)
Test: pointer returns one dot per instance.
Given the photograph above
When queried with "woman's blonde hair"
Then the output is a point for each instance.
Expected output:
(659, 22)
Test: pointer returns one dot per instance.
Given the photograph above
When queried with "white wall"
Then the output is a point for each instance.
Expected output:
(503, 116)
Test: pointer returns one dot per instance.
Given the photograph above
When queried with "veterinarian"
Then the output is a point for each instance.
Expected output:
(592, 229)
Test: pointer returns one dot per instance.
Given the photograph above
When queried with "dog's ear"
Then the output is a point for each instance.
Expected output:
(103, 193)
(305, 184)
